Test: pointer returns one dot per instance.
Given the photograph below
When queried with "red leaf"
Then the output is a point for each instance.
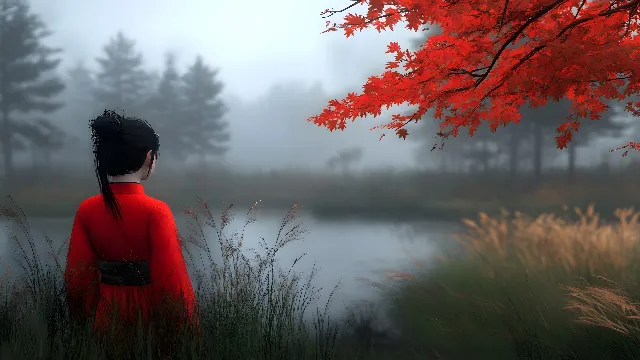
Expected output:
(393, 47)
(478, 72)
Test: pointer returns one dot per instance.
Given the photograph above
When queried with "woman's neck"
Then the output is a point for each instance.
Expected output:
(128, 178)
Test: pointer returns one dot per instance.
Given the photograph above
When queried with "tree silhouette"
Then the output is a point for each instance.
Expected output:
(203, 128)
(122, 83)
(166, 107)
(345, 159)
(28, 83)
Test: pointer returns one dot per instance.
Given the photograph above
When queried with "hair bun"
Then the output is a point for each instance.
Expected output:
(107, 126)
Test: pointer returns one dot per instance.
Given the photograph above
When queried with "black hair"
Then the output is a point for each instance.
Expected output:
(120, 146)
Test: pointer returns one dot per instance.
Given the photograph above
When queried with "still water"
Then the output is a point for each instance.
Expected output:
(343, 252)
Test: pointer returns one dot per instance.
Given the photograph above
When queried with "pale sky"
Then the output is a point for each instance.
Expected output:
(255, 44)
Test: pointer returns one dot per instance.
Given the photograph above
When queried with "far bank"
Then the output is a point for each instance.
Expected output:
(390, 196)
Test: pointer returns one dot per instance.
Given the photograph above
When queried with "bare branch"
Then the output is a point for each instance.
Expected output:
(504, 15)
(329, 13)
(580, 8)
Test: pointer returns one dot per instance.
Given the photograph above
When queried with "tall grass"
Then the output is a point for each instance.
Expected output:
(250, 308)
(529, 288)
(547, 287)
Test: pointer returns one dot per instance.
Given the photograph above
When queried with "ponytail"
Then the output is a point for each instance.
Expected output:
(109, 198)
(106, 129)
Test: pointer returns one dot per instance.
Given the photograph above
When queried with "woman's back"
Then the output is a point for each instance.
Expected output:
(126, 240)
(146, 233)
(124, 248)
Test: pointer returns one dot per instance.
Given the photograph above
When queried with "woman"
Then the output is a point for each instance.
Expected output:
(124, 256)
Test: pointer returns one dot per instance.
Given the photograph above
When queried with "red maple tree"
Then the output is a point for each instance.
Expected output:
(493, 56)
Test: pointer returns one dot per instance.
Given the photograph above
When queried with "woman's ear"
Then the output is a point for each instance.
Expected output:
(148, 158)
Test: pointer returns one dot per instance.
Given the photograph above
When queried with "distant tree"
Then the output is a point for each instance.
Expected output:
(81, 104)
(541, 123)
(481, 150)
(345, 159)
(73, 118)
(80, 82)
(122, 82)
(153, 78)
(166, 108)
(464, 153)
(203, 128)
(28, 83)
(427, 153)
(589, 130)
(45, 138)
(512, 143)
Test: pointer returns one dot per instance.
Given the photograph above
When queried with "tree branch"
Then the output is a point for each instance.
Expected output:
(467, 72)
(504, 15)
(515, 36)
(329, 13)
(631, 5)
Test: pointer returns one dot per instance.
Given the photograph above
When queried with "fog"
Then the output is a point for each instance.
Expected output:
(357, 192)
(259, 48)
(277, 69)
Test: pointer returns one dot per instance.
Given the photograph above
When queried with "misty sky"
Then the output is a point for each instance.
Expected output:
(255, 44)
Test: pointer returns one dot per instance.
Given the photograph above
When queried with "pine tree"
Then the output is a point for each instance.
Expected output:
(80, 83)
(203, 124)
(73, 118)
(166, 107)
(28, 83)
(82, 104)
(121, 80)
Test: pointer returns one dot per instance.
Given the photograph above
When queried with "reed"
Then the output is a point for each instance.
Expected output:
(528, 288)
(545, 287)
(250, 308)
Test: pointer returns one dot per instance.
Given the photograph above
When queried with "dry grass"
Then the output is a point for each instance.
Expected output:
(549, 241)
(611, 307)
(541, 287)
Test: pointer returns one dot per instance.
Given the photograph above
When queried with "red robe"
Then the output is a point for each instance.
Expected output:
(147, 232)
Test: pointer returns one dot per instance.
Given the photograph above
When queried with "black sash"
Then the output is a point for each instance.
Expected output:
(125, 273)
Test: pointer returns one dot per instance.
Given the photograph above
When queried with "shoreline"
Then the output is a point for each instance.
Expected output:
(337, 211)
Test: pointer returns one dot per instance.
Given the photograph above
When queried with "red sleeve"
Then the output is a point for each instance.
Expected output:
(82, 272)
(169, 274)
